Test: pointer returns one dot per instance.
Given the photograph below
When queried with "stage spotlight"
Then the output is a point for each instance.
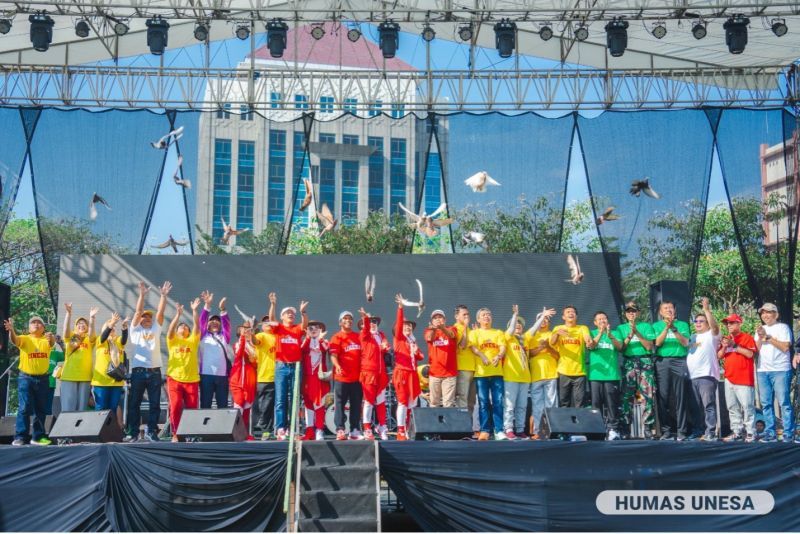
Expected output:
(428, 34)
(659, 30)
(736, 33)
(546, 33)
(120, 28)
(779, 27)
(157, 34)
(276, 37)
(617, 36)
(389, 38)
(82, 28)
(243, 31)
(318, 32)
(465, 32)
(582, 33)
(201, 32)
(505, 37)
(5, 26)
(699, 29)
(353, 35)
(41, 31)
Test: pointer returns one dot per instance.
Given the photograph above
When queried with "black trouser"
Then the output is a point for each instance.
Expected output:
(264, 407)
(672, 380)
(605, 394)
(705, 391)
(344, 392)
(144, 379)
(571, 391)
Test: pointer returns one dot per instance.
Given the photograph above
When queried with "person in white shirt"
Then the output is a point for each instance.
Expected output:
(145, 337)
(704, 367)
(774, 371)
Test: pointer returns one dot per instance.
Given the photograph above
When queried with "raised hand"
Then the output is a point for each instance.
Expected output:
(195, 304)
(114, 319)
(93, 312)
(142, 288)
(125, 322)
(515, 308)
(273, 297)
(68, 307)
(207, 297)
(50, 338)
(166, 288)
(303, 306)
(179, 308)
(8, 324)
(363, 312)
(705, 303)
(399, 299)
(222, 303)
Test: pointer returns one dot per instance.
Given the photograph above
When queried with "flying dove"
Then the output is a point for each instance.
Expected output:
(171, 242)
(327, 219)
(426, 224)
(171, 137)
(420, 305)
(575, 273)
(309, 195)
(643, 186)
(369, 287)
(176, 175)
(479, 181)
(229, 231)
(474, 238)
(607, 215)
(97, 199)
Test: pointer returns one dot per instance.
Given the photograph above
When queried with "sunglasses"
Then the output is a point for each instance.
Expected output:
(699, 320)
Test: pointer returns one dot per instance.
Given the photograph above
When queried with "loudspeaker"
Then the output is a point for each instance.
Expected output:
(94, 427)
(212, 425)
(561, 423)
(675, 291)
(8, 427)
(444, 423)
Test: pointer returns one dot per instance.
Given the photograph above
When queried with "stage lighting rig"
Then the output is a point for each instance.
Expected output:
(779, 27)
(617, 36)
(505, 37)
(201, 32)
(82, 29)
(389, 38)
(318, 32)
(157, 34)
(699, 29)
(736, 33)
(41, 31)
(428, 34)
(546, 33)
(5, 26)
(243, 31)
(353, 35)
(465, 32)
(582, 33)
(659, 30)
(276, 37)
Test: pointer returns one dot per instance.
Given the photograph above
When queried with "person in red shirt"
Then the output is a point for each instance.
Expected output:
(442, 348)
(288, 336)
(373, 376)
(404, 376)
(345, 351)
(243, 374)
(737, 350)
(315, 381)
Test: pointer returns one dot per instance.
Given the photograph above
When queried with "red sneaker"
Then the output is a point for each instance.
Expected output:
(510, 434)
(309, 435)
(250, 438)
(340, 435)
(368, 434)
(401, 435)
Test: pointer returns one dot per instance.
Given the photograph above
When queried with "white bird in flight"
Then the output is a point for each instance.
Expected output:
(479, 181)
(420, 305)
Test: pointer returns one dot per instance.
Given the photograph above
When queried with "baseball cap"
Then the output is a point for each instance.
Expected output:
(437, 312)
(319, 324)
(148, 312)
(215, 318)
(287, 308)
(768, 306)
(35, 318)
(80, 318)
(631, 306)
(345, 314)
(732, 318)
(265, 319)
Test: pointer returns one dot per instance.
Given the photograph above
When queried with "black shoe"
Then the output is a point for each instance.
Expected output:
(130, 439)
(151, 436)
(666, 436)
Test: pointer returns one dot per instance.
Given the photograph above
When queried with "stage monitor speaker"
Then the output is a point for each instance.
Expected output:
(442, 423)
(93, 427)
(675, 291)
(8, 427)
(212, 425)
(562, 423)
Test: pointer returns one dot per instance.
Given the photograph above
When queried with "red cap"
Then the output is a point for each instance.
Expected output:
(732, 318)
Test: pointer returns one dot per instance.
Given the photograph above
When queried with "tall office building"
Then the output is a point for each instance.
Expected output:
(363, 156)
(780, 179)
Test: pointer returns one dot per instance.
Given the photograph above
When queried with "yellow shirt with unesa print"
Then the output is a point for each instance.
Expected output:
(265, 355)
(102, 357)
(465, 358)
(515, 364)
(34, 354)
(572, 350)
(544, 365)
(78, 362)
(183, 365)
(488, 341)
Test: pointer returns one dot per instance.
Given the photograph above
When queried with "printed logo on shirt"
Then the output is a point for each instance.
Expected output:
(605, 345)
(182, 350)
(571, 341)
(289, 340)
(489, 345)
(148, 336)
(37, 355)
(441, 342)
(352, 347)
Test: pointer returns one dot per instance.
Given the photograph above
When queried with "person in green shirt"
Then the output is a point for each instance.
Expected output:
(56, 356)
(672, 375)
(640, 381)
(604, 375)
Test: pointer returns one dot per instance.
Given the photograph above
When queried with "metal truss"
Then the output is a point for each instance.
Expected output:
(415, 91)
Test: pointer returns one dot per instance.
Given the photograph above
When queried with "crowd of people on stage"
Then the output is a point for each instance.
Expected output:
(665, 368)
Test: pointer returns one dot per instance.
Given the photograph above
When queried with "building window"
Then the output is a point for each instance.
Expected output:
(433, 183)
(224, 112)
(349, 192)
(276, 179)
(351, 105)
(375, 108)
(222, 186)
(398, 110)
(245, 113)
(300, 102)
(326, 104)
(327, 183)
(245, 184)
(376, 174)
(300, 166)
(275, 100)
(397, 175)
(348, 139)
(327, 137)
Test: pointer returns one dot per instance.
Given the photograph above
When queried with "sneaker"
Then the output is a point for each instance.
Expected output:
(613, 435)
(500, 436)
(732, 437)
(152, 437)
(681, 437)
(266, 436)
(175, 439)
(476, 435)
(521, 435)
(797, 439)
(281, 434)
(309, 435)
(510, 435)
(19, 442)
(319, 435)
(749, 438)
(709, 437)
(43, 441)
(768, 439)
(786, 439)
(250, 437)
(368, 434)
(483, 436)
(383, 433)
(340, 435)
(356, 434)
(130, 439)
(401, 435)
(666, 436)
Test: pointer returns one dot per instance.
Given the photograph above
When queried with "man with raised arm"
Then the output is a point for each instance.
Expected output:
(183, 368)
(215, 354)
(704, 367)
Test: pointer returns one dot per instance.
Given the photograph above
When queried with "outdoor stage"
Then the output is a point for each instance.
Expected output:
(444, 486)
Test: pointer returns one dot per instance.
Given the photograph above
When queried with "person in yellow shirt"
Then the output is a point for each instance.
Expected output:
(109, 348)
(489, 346)
(183, 369)
(544, 375)
(264, 342)
(76, 377)
(466, 395)
(570, 340)
(32, 383)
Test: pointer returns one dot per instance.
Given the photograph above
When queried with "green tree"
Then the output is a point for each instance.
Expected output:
(265, 242)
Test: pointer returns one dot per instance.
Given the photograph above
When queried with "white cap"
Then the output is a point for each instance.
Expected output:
(287, 308)
(345, 314)
(437, 312)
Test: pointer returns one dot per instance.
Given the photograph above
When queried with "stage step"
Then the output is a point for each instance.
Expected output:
(337, 488)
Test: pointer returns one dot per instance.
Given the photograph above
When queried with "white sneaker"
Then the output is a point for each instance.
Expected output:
(281, 434)
(500, 436)
(613, 435)
(383, 432)
(319, 435)
(356, 434)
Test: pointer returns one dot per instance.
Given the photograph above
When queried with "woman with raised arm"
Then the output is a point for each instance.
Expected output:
(316, 379)
(109, 348)
(404, 376)
(183, 369)
(76, 377)
(373, 376)
(243, 374)
(215, 358)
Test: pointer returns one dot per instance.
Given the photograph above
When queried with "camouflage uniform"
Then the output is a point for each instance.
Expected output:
(639, 372)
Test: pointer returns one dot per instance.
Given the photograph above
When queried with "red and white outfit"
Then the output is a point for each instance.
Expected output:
(373, 377)
(314, 352)
(404, 376)
(242, 381)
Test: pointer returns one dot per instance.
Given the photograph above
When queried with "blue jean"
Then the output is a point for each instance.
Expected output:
(107, 398)
(32, 392)
(150, 380)
(775, 385)
(490, 390)
(213, 386)
(50, 396)
(284, 384)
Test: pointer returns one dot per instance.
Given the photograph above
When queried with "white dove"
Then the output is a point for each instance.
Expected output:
(171, 242)
(479, 181)
(176, 175)
(229, 231)
(575, 273)
(168, 139)
(369, 287)
(419, 305)
(425, 223)
(97, 199)
(246, 318)
(474, 238)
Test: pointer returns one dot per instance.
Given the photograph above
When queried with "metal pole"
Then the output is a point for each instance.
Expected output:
(292, 429)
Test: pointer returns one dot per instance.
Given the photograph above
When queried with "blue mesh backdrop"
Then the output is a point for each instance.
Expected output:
(13, 148)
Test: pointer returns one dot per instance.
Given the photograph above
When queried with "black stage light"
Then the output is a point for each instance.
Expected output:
(5, 26)
(82, 28)
(318, 32)
(736, 33)
(659, 30)
(243, 31)
(505, 37)
(353, 35)
(428, 34)
(201, 32)
(546, 33)
(779, 27)
(157, 34)
(389, 38)
(465, 32)
(41, 31)
(699, 29)
(582, 33)
(276, 37)
(617, 36)
(120, 28)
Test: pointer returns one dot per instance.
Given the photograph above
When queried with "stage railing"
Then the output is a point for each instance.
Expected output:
(292, 431)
